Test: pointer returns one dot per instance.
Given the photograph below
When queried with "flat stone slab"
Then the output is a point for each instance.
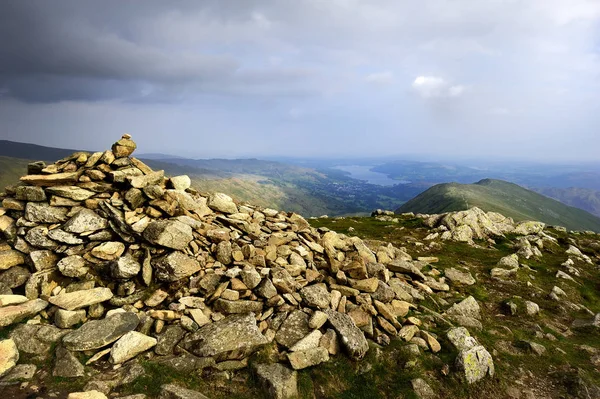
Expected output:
(14, 314)
(233, 337)
(9, 356)
(81, 299)
(98, 333)
(129, 346)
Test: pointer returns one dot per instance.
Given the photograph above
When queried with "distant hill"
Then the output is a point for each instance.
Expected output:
(500, 196)
(32, 151)
(584, 198)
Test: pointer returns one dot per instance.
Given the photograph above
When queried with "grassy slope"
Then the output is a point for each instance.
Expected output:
(11, 169)
(503, 197)
(583, 198)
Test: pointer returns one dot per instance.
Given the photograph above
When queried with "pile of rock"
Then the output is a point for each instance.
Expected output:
(107, 257)
(475, 224)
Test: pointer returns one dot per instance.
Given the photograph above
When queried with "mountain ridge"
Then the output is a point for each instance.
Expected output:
(503, 197)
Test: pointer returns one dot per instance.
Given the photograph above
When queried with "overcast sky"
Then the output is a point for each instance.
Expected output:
(233, 78)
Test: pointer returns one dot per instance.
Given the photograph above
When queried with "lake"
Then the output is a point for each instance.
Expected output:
(365, 173)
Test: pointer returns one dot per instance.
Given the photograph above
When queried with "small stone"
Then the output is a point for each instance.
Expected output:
(111, 250)
(73, 266)
(98, 333)
(308, 342)
(175, 266)
(41, 212)
(172, 391)
(93, 394)
(68, 318)
(222, 203)
(181, 183)
(72, 192)
(317, 320)
(125, 267)
(316, 295)
(85, 221)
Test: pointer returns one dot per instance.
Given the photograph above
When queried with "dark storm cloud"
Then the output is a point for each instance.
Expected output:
(89, 50)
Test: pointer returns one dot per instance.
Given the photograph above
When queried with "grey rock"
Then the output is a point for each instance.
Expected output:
(316, 295)
(168, 339)
(222, 203)
(147, 180)
(308, 358)
(68, 318)
(422, 389)
(175, 266)
(129, 346)
(99, 333)
(170, 234)
(406, 267)
(172, 391)
(72, 192)
(236, 307)
(73, 266)
(64, 237)
(475, 364)
(20, 373)
(186, 362)
(459, 277)
(233, 337)
(125, 267)
(293, 329)
(30, 194)
(14, 277)
(84, 221)
(67, 365)
(41, 212)
(38, 237)
(352, 338)
(278, 381)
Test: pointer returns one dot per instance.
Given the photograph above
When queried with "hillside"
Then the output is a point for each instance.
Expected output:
(506, 198)
(277, 185)
(583, 198)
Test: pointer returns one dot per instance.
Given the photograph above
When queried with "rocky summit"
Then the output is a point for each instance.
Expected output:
(118, 281)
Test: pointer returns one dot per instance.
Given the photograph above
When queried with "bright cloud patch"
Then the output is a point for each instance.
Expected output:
(436, 87)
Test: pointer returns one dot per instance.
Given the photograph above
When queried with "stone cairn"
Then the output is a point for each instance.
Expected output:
(107, 257)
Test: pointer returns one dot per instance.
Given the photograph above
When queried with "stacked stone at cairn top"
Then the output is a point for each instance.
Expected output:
(114, 259)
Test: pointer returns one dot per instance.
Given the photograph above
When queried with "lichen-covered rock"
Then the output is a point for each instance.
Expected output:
(233, 337)
(475, 364)
(170, 234)
(351, 337)
(98, 333)
(278, 381)
(175, 266)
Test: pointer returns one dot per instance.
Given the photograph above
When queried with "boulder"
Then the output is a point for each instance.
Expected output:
(278, 381)
(67, 365)
(99, 333)
(222, 203)
(86, 220)
(42, 212)
(233, 337)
